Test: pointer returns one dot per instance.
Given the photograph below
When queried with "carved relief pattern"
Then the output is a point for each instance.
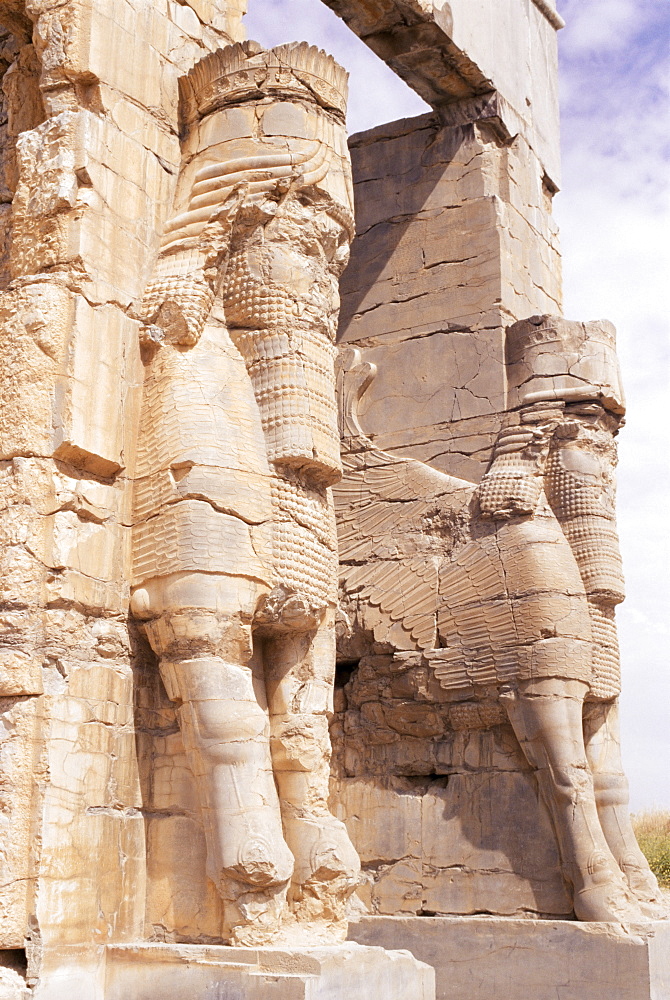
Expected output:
(304, 542)
(298, 70)
(290, 363)
(511, 604)
(198, 451)
(584, 506)
(179, 280)
(235, 532)
(508, 614)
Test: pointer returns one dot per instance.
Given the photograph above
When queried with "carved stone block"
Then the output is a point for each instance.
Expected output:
(485, 957)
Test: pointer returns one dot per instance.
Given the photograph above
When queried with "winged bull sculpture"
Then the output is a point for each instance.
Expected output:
(510, 586)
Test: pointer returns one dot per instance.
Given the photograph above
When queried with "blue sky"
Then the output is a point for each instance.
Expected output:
(614, 215)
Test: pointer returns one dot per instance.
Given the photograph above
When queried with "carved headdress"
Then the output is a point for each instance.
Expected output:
(550, 358)
(257, 124)
(240, 105)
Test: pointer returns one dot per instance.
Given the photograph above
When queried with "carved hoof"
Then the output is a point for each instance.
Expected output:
(259, 865)
(264, 865)
(323, 851)
(140, 604)
(604, 895)
(287, 610)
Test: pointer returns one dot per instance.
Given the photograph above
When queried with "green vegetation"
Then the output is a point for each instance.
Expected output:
(652, 830)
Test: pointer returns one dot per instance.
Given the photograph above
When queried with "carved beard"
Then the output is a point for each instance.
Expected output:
(281, 299)
(280, 296)
(583, 506)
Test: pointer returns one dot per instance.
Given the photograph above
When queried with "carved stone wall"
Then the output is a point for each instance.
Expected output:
(455, 241)
(90, 153)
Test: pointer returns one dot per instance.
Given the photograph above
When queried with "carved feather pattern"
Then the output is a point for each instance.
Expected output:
(406, 592)
(506, 601)
(383, 504)
(475, 619)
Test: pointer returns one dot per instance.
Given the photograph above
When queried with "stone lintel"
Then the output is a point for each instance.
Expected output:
(451, 51)
(413, 38)
(484, 109)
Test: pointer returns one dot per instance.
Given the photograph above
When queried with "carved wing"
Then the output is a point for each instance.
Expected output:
(404, 591)
(475, 619)
(386, 509)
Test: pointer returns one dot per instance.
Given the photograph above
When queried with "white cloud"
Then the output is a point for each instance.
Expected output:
(598, 25)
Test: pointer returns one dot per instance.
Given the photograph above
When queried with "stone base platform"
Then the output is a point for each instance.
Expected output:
(191, 972)
(212, 972)
(499, 958)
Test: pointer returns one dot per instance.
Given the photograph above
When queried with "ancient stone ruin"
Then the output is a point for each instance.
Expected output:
(309, 667)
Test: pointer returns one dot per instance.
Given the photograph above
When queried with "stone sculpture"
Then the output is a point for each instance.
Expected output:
(177, 209)
(509, 588)
(235, 557)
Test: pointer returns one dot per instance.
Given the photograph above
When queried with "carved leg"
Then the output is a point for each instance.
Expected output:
(207, 666)
(603, 750)
(299, 676)
(547, 717)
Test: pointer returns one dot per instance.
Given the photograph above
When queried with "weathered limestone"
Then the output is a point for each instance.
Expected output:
(151, 971)
(455, 238)
(478, 607)
(455, 241)
(452, 51)
(189, 973)
(102, 816)
(176, 208)
(81, 167)
(235, 563)
(484, 957)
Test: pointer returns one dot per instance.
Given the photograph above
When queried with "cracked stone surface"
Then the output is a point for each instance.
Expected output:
(477, 703)
(188, 784)
(485, 957)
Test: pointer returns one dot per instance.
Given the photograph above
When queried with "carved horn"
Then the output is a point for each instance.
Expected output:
(353, 378)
